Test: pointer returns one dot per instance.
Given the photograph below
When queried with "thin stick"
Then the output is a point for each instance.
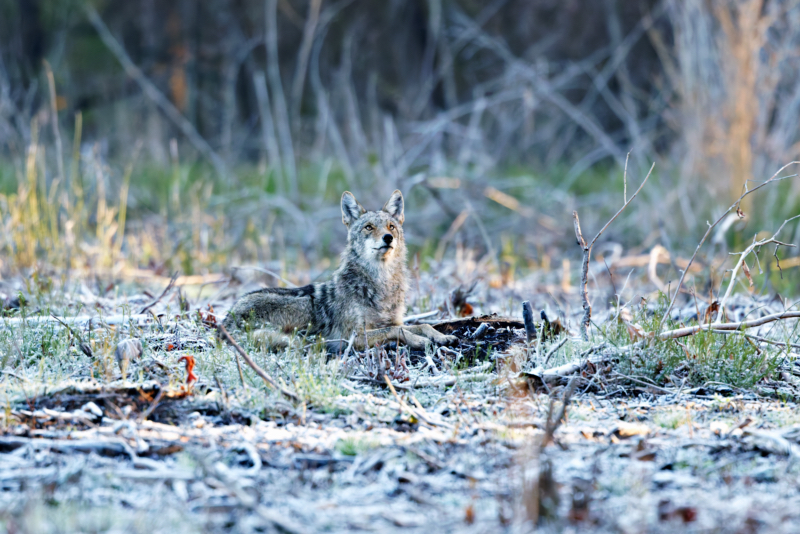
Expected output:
(552, 425)
(736, 204)
(419, 414)
(239, 367)
(259, 371)
(309, 32)
(587, 253)
(279, 108)
(643, 383)
(350, 345)
(530, 326)
(552, 351)
(54, 112)
(163, 293)
(625, 179)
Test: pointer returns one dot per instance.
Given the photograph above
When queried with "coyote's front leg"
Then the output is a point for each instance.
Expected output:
(417, 337)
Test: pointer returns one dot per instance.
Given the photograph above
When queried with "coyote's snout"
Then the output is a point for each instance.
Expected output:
(366, 293)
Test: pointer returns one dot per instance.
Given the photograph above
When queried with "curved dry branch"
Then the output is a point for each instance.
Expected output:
(742, 255)
(254, 366)
(774, 178)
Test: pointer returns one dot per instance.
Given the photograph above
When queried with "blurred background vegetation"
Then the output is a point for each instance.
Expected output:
(200, 135)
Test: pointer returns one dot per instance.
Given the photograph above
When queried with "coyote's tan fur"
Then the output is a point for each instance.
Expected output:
(366, 294)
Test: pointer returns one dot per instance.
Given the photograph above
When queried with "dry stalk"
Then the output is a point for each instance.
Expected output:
(587, 253)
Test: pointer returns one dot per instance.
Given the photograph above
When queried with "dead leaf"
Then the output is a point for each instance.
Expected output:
(746, 270)
(469, 514)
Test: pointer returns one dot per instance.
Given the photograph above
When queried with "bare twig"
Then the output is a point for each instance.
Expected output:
(643, 383)
(85, 348)
(413, 318)
(587, 253)
(773, 178)
(757, 338)
(309, 31)
(170, 285)
(280, 113)
(422, 415)
(153, 405)
(739, 264)
(54, 112)
(552, 351)
(259, 371)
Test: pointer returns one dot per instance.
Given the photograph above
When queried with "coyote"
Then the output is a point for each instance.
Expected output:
(365, 297)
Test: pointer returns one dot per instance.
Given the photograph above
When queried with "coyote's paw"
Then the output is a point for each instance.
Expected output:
(417, 337)
(428, 332)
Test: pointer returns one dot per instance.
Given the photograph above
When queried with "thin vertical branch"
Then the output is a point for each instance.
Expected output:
(280, 112)
(587, 253)
(268, 128)
(309, 31)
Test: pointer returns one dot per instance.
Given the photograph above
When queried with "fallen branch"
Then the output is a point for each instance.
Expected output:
(691, 330)
(153, 405)
(111, 446)
(419, 413)
(527, 317)
(259, 371)
(417, 317)
(758, 338)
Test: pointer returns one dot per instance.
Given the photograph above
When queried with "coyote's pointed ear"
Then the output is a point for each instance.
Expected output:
(394, 206)
(351, 209)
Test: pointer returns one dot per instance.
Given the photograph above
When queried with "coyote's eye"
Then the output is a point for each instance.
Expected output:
(369, 228)
(391, 227)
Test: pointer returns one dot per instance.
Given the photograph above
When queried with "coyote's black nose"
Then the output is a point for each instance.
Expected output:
(388, 239)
